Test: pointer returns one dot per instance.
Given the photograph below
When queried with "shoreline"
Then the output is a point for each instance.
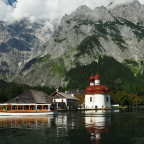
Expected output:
(119, 108)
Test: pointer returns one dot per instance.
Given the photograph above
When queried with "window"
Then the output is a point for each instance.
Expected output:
(90, 99)
(27, 98)
(107, 99)
(17, 100)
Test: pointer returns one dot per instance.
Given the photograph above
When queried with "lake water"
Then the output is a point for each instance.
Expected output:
(90, 127)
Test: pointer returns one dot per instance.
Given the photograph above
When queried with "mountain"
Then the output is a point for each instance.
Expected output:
(133, 11)
(20, 42)
(67, 57)
(83, 37)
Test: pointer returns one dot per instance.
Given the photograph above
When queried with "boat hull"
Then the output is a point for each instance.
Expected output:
(26, 114)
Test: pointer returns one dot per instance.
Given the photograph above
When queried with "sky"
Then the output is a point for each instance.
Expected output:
(47, 10)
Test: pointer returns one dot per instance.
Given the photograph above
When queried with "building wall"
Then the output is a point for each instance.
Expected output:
(97, 101)
(108, 104)
(72, 104)
(88, 103)
(60, 100)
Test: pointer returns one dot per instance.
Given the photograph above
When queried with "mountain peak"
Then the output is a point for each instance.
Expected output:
(132, 10)
(79, 12)
(110, 4)
(83, 9)
(134, 3)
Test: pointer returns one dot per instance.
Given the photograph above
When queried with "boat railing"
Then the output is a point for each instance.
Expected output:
(25, 107)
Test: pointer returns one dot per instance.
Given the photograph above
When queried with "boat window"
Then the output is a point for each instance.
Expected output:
(20, 107)
(14, 107)
(26, 107)
(32, 107)
(39, 107)
(8, 107)
(4, 107)
(45, 107)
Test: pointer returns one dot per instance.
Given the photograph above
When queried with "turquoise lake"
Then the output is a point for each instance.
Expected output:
(82, 127)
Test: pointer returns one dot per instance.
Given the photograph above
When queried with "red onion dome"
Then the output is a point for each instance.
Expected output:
(91, 79)
(97, 77)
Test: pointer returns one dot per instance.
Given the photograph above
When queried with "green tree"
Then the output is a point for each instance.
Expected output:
(114, 99)
(135, 99)
(122, 97)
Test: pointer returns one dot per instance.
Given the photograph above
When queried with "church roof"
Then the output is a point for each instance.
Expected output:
(97, 89)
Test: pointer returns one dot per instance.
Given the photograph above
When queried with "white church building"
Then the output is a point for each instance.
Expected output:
(97, 96)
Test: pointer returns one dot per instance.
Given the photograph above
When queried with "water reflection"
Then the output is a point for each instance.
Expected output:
(88, 126)
(62, 121)
(33, 122)
(97, 123)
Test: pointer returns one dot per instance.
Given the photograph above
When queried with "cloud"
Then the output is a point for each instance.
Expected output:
(6, 10)
(141, 1)
(46, 10)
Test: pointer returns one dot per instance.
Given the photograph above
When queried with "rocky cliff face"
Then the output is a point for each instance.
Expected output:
(80, 39)
(20, 42)
(133, 11)
(100, 31)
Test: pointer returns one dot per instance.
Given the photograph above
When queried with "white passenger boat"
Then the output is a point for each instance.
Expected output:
(26, 109)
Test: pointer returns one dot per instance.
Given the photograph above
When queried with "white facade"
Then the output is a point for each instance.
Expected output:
(58, 100)
(97, 101)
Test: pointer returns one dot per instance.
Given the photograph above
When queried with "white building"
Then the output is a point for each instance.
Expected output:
(97, 96)
(64, 100)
